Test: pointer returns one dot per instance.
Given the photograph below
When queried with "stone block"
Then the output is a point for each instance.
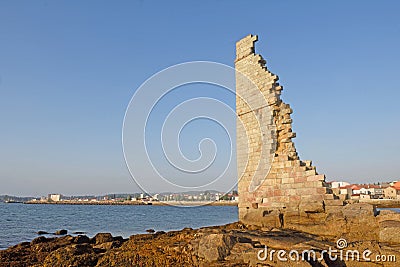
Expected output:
(313, 178)
(323, 190)
(329, 196)
(333, 202)
(311, 207)
(311, 198)
(300, 179)
(311, 173)
(334, 209)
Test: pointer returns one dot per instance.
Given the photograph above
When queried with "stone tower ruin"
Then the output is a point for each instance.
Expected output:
(274, 184)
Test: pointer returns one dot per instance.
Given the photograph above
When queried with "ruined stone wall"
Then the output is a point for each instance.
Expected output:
(272, 178)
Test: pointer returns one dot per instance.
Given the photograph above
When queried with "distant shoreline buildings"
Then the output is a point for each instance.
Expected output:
(342, 189)
(188, 197)
(346, 191)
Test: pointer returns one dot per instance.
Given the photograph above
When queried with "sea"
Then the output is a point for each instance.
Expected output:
(21, 222)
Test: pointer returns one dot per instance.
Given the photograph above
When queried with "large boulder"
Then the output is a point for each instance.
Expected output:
(389, 232)
(215, 247)
(101, 238)
(72, 256)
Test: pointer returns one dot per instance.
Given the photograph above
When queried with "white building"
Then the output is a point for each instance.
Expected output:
(54, 197)
(346, 191)
(365, 196)
(336, 184)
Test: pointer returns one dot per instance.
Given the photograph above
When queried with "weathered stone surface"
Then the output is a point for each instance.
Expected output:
(71, 256)
(312, 207)
(81, 239)
(271, 174)
(102, 238)
(215, 247)
(384, 215)
(333, 202)
(389, 232)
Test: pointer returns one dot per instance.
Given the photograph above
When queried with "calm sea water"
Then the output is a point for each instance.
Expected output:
(20, 222)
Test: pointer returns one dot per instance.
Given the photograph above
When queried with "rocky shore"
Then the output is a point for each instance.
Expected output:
(375, 242)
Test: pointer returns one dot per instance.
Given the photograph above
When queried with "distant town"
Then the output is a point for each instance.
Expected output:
(345, 191)
(385, 190)
(134, 198)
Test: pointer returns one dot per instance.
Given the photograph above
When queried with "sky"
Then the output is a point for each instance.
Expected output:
(68, 70)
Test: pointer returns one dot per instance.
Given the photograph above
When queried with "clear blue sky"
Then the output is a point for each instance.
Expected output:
(69, 68)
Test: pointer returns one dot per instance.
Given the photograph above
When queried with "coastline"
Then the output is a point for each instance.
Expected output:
(127, 203)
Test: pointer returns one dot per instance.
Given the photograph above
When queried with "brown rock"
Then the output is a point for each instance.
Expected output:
(215, 247)
(385, 215)
(389, 232)
(72, 256)
(81, 239)
(102, 238)
(359, 209)
(42, 233)
(61, 232)
(38, 240)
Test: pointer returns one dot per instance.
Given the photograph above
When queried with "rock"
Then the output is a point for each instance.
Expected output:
(81, 239)
(75, 255)
(389, 232)
(159, 233)
(61, 232)
(38, 240)
(238, 251)
(215, 247)
(357, 210)
(150, 231)
(264, 218)
(118, 238)
(42, 233)
(385, 215)
(108, 245)
(102, 238)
